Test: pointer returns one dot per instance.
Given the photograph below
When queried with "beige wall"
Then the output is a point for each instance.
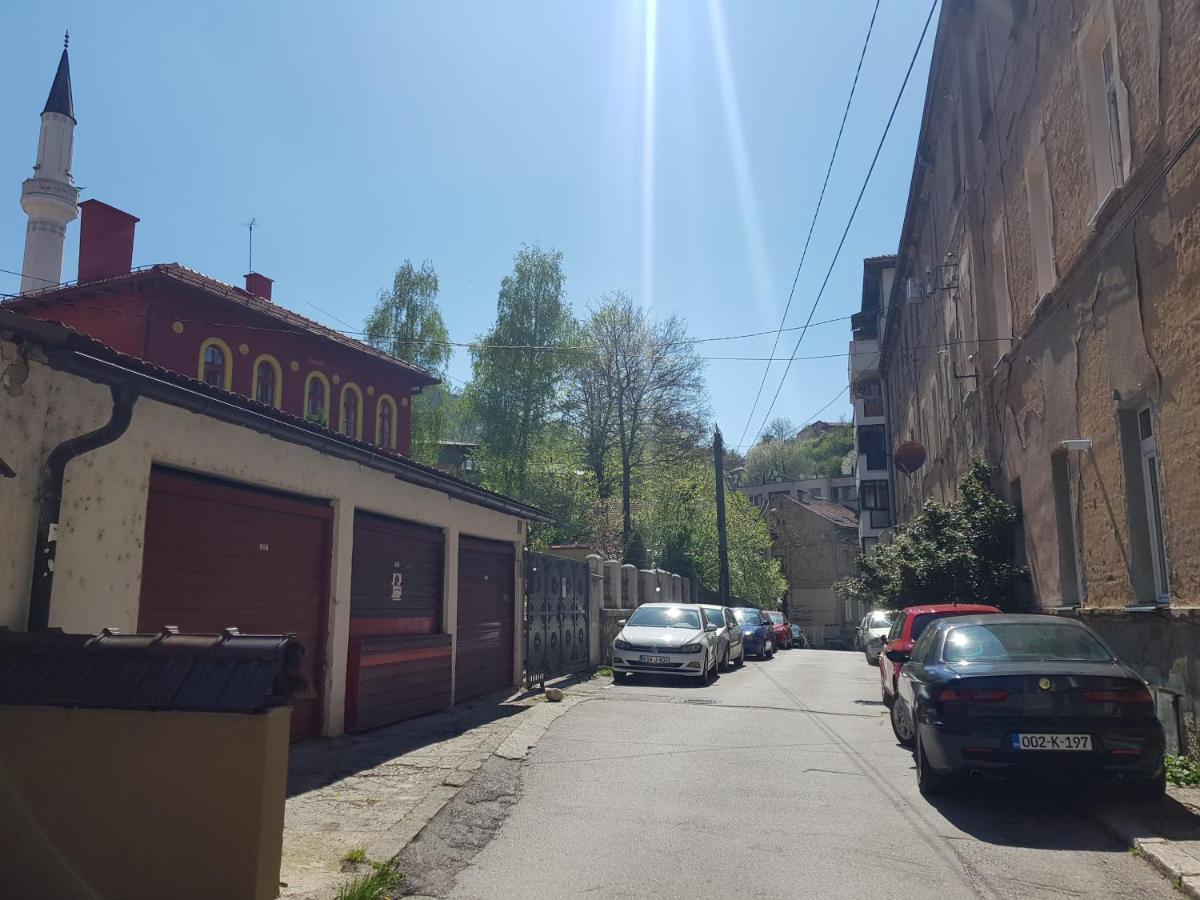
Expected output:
(117, 803)
(99, 560)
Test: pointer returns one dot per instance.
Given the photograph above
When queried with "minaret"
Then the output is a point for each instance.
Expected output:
(49, 198)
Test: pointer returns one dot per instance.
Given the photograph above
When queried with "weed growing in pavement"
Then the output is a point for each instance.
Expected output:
(357, 855)
(381, 884)
(604, 672)
(1183, 770)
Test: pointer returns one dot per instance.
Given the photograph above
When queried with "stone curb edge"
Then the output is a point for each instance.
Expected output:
(1181, 868)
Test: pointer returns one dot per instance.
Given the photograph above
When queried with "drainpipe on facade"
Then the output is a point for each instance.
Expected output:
(50, 505)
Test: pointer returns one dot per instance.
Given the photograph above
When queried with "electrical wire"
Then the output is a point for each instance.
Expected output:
(812, 224)
(853, 212)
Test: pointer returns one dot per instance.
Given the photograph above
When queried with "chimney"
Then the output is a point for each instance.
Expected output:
(105, 241)
(258, 285)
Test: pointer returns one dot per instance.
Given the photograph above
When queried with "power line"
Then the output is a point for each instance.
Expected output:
(811, 225)
(809, 421)
(853, 212)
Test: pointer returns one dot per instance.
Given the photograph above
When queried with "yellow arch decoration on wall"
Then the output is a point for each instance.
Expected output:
(351, 387)
(385, 440)
(319, 376)
(224, 348)
(277, 399)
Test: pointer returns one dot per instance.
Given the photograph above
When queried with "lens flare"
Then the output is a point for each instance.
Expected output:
(648, 100)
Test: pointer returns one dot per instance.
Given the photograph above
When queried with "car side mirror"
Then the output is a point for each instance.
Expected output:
(897, 657)
(711, 627)
(621, 622)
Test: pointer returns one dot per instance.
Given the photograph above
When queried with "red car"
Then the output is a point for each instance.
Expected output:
(781, 630)
(909, 624)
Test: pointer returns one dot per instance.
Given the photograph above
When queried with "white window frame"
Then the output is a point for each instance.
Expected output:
(1041, 219)
(1106, 103)
(1152, 496)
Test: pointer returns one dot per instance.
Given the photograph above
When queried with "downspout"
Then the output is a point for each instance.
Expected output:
(50, 505)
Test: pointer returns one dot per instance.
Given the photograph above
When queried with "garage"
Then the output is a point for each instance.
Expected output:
(486, 628)
(218, 555)
(398, 664)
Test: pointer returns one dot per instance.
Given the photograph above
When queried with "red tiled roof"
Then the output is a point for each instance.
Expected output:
(827, 509)
(231, 294)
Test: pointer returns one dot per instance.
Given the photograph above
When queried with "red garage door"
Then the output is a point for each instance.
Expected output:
(219, 555)
(486, 632)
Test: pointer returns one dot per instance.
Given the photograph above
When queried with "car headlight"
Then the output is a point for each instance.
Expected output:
(749, 632)
(622, 644)
(690, 648)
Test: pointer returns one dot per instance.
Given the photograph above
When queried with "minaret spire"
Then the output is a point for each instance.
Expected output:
(49, 198)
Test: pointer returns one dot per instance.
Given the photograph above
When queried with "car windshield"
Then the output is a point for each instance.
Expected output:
(776, 617)
(921, 622)
(748, 616)
(1024, 640)
(665, 617)
(715, 616)
(881, 620)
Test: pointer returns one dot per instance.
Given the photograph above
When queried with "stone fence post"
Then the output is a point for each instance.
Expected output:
(629, 586)
(687, 590)
(677, 589)
(612, 584)
(595, 600)
(648, 591)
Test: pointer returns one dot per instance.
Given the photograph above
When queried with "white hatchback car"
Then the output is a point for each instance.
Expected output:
(668, 639)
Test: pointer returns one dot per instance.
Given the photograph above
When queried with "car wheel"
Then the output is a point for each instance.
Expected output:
(1151, 789)
(929, 782)
(902, 725)
(723, 666)
(706, 672)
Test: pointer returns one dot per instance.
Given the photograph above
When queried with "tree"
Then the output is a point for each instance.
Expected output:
(780, 428)
(515, 378)
(958, 552)
(795, 459)
(649, 388)
(407, 324)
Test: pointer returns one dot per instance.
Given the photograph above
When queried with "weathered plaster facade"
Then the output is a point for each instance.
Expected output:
(1046, 291)
(99, 560)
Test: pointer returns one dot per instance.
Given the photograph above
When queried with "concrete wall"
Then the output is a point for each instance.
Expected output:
(116, 803)
(99, 561)
(1119, 326)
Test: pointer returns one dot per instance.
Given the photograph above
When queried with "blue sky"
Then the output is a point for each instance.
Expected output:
(362, 134)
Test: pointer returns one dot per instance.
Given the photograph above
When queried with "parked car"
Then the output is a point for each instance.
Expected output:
(799, 638)
(757, 631)
(907, 627)
(873, 631)
(1000, 695)
(666, 638)
(731, 649)
(781, 629)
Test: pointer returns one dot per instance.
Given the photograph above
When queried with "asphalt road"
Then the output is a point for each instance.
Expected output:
(781, 779)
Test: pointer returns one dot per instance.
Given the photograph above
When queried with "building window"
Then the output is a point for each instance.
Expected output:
(385, 422)
(1068, 565)
(1143, 500)
(350, 419)
(316, 399)
(1041, 229)
(998, 264)
(268, 381)
(873, 494)
(216, 364)
(872, 400)
(1107, 104)
(871, 445)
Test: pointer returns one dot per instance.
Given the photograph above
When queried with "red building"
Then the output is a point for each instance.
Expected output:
(233, 338)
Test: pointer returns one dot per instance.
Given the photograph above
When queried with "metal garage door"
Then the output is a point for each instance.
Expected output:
(399, 661)
(486, 632)
(219, 555)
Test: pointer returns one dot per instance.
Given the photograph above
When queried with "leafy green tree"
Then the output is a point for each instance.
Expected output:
(796, 459)
(959, 552)
(407, 324)
(515, 378)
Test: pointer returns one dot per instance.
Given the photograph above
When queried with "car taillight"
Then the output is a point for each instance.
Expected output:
(972, 695)
(1119, 695)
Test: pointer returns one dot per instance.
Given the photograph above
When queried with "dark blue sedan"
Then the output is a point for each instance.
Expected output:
(756, 631)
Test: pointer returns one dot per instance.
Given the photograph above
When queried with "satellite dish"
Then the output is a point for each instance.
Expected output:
(909, 457)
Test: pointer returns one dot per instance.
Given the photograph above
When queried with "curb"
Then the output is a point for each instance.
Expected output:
(1181, 868)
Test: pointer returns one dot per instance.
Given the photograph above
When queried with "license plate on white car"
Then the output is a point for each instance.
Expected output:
(656, 660)
(1052, 741)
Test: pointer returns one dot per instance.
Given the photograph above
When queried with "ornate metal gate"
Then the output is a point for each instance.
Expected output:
(556, 617)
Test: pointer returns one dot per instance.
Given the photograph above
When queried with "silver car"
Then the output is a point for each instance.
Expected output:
(874, 631)
(667, 639)
(730, 648)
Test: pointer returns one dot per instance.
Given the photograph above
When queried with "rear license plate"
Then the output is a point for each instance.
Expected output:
(1052, 742)
(657, 660)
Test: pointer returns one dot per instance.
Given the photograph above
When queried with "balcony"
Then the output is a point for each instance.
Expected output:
(864, 360)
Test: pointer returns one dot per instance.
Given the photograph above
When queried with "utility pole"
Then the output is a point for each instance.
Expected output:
(250, 225)
(722, 541)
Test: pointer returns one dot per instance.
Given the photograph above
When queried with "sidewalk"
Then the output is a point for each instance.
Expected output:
(1166, 834)
(374, 792)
